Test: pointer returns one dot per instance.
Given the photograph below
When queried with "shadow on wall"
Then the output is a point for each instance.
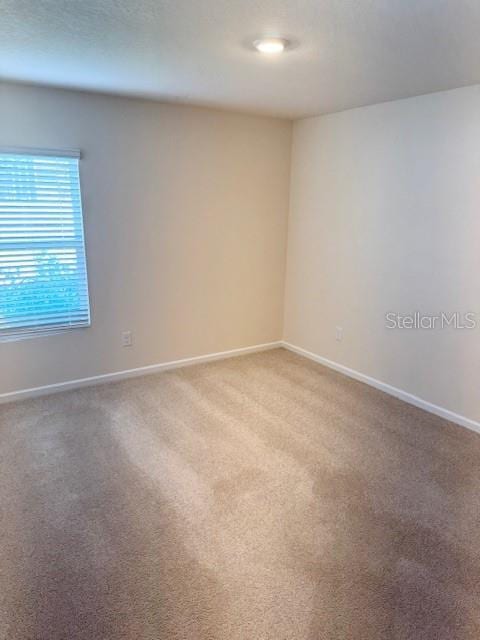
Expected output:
(416, 223)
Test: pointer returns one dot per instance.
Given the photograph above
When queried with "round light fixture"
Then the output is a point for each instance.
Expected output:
(270, 45)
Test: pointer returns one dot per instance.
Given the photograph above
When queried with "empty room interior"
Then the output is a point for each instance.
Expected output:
(239, 320)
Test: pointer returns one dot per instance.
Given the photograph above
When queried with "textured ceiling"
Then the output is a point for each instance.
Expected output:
(348, 52)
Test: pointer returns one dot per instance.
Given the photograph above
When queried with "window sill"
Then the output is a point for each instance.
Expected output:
(41, 333)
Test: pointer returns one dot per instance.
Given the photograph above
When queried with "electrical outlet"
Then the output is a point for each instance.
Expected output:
(127, 339)
(339, 334)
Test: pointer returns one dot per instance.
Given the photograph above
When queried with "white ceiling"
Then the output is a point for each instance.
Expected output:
(348, 52)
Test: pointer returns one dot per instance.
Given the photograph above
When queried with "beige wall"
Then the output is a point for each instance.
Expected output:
(385, 216)
(185, 220)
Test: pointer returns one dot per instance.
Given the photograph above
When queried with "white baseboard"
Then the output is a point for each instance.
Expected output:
(23, 394)
(387, 388)
(131, 373)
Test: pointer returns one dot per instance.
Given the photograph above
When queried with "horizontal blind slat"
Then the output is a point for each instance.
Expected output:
(54, 312)
(41, 244)
(7, 268)
(31, 319)
(56, 288)
(38, 322)
(45, 322)
(29, 332)
(44, 313)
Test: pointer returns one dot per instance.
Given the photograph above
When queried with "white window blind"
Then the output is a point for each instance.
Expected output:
(43, 275)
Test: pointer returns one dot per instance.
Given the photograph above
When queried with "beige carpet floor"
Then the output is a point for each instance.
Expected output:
(257, 498)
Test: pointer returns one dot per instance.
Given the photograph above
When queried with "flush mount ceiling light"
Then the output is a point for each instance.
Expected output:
(270, 45)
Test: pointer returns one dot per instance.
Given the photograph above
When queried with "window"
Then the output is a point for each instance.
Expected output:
(43, 275)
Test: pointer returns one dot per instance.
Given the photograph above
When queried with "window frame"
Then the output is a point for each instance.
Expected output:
(39, 330)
